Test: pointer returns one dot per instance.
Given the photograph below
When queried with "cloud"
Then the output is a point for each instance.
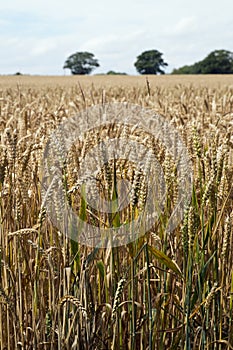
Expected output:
(115, 43)
(185, 26)
(31, 55)
(43, 46)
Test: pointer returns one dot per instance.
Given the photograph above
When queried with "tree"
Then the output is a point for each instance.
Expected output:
(193, 69)
(217, 62)
(112, 72)
(150, 62)
(81, 63)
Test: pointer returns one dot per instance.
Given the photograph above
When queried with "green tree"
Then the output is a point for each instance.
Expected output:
(150, 62)
(81, 63)
(217, 62)
(112, 72)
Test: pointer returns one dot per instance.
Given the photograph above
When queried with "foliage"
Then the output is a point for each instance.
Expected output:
(217, 62)
(150, 62)
(81, 63)
(112, 72)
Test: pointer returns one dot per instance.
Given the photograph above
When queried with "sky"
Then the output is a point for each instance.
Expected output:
(37, 37)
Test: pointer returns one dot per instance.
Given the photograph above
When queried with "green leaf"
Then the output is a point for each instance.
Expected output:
(83, 208)
(164, 259)
(101, 268)
(115, 206)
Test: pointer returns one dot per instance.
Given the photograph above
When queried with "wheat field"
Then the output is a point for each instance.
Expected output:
(161, 291)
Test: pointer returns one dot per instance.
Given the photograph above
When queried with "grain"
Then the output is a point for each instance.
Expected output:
(177, 286)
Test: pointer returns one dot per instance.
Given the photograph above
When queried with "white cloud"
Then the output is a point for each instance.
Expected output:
(43, 46)
(185, 25)
(116, 43)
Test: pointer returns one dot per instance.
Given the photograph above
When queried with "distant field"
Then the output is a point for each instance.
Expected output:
(165, 290)
(107, 81)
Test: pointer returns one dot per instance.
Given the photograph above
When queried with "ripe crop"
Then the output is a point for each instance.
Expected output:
(162, 291)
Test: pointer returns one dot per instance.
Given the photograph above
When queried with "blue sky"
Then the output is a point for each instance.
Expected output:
(37, 37)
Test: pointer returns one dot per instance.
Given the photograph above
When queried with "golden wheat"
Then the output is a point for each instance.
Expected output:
(177, 290)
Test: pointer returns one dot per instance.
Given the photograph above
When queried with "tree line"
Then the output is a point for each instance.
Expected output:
(152, 62)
